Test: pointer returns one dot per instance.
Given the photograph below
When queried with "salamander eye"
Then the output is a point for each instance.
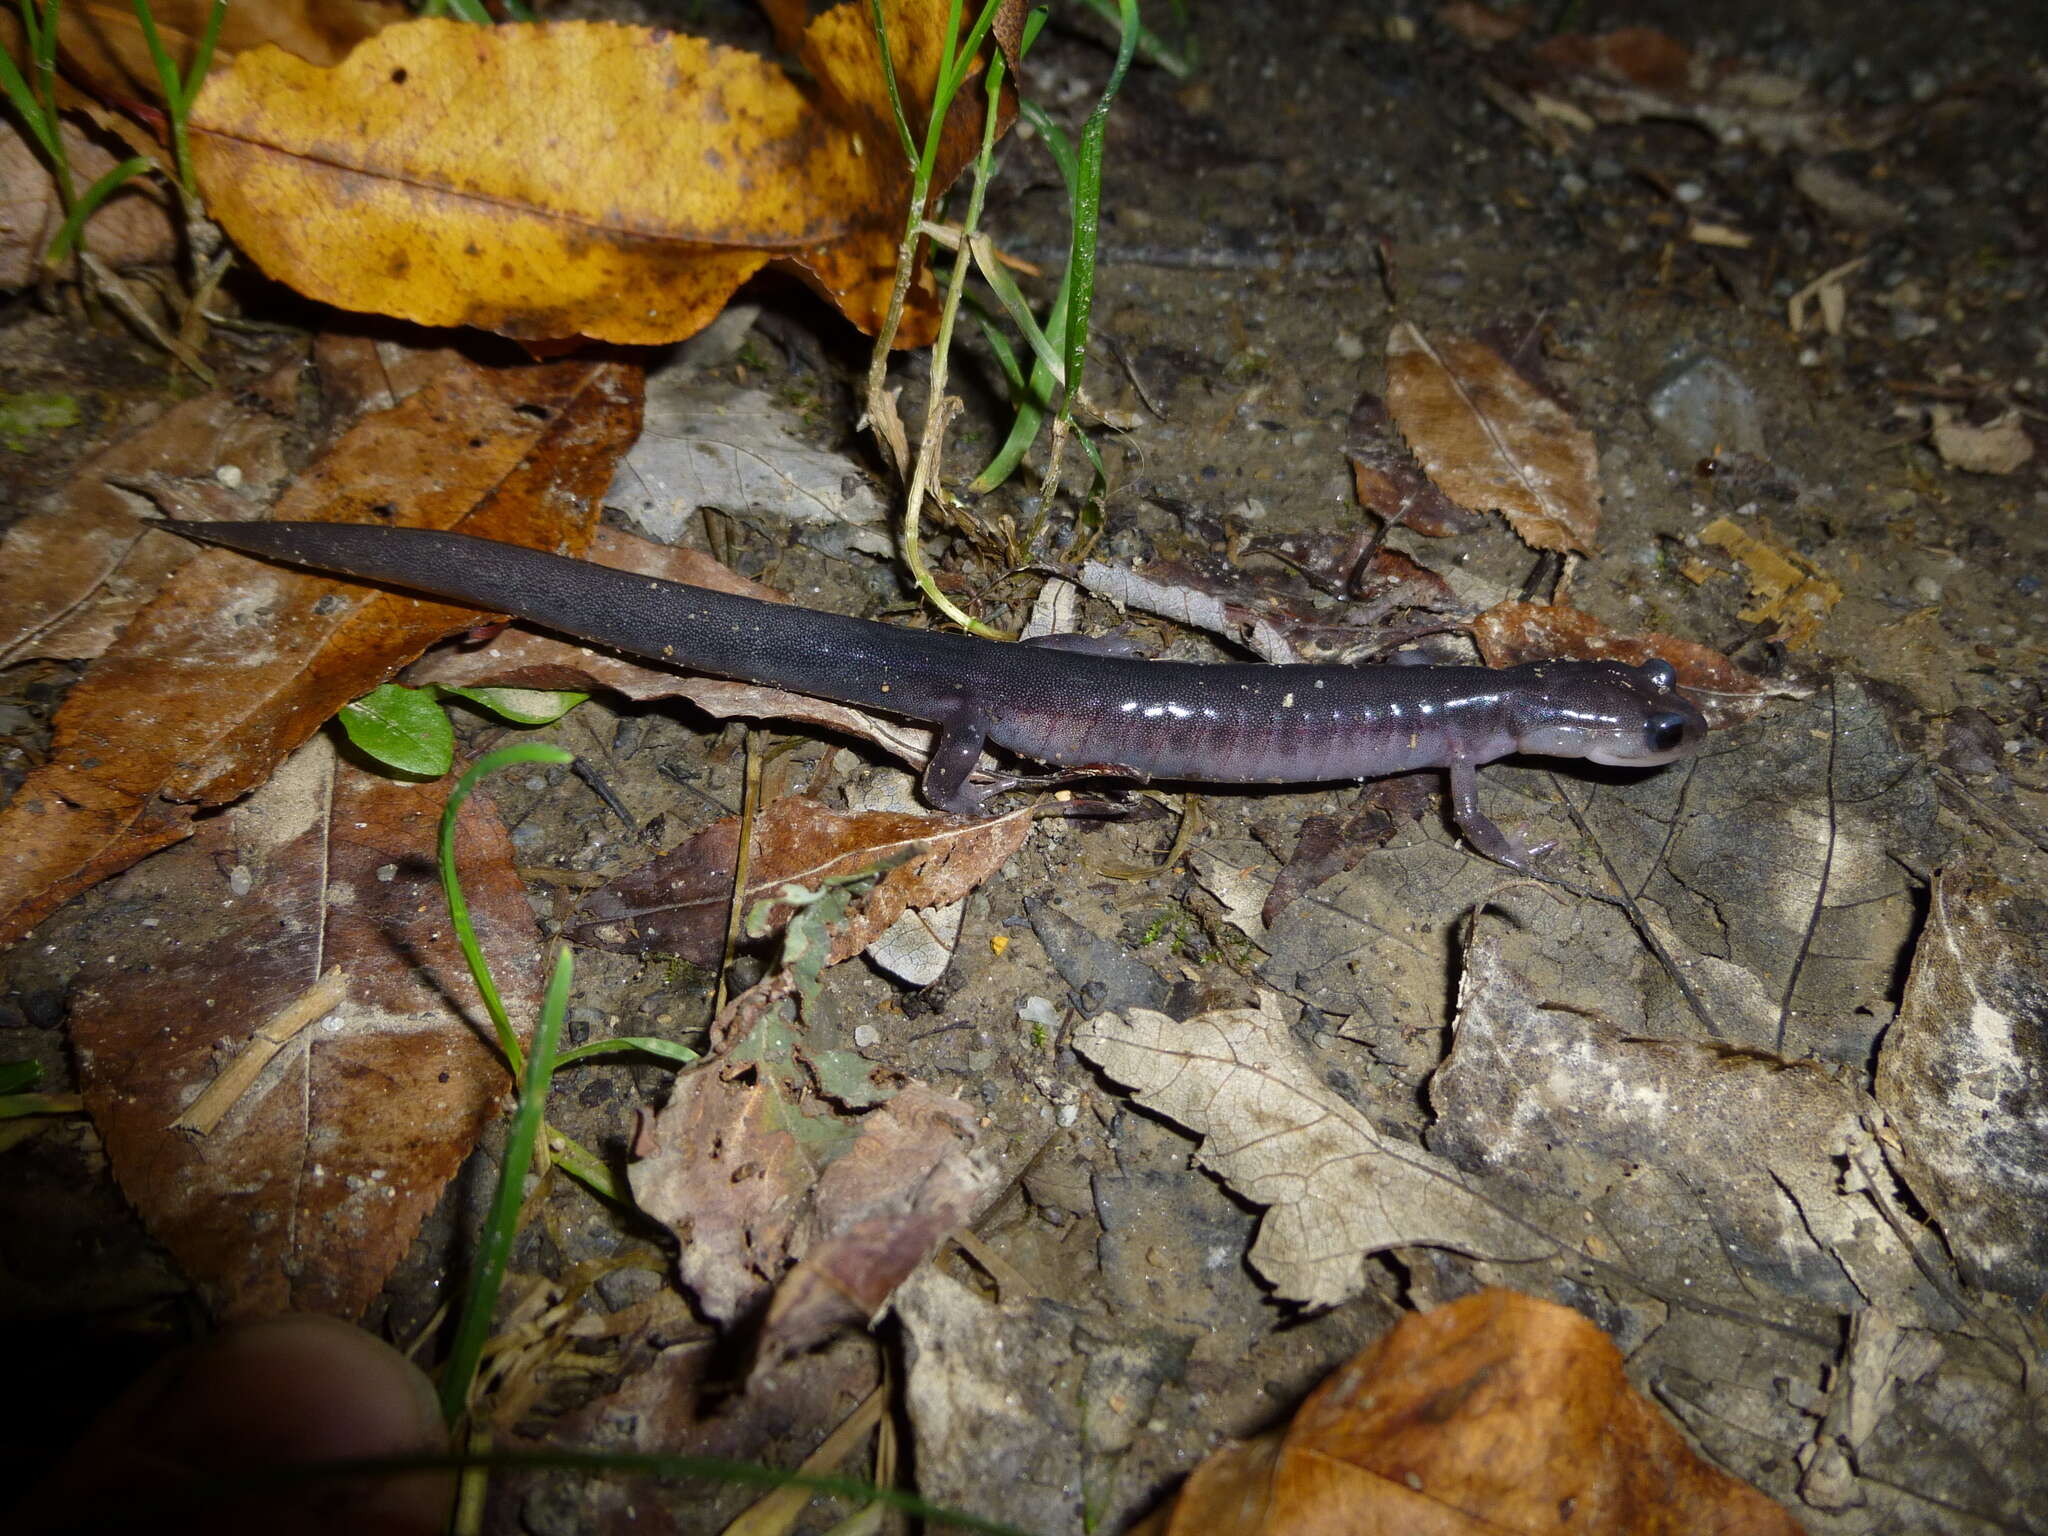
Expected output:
(1659, 674)
(1664, 731)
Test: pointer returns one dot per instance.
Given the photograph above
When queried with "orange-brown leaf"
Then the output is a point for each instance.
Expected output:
(1508, 634)
(1494, 1413)
(101, 48)
(1492, 441)
(309, 1189)
(236, 663)
(678, 904)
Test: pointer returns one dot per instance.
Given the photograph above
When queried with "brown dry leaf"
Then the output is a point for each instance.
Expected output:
(1791, 591)
(72, 577)
(1510, 633)
(446, 174)
(1331, 845)
(876, 1214)
(1338, 1191)
(1495, 1413)
(679, 903)
(753, 1170)
(1389, 482)
(1492, 441)
(720, 1168)
(131, 229)
(236, 663)
(1964, 1078)
(314, 1183)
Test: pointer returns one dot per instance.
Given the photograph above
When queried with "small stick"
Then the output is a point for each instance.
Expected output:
(226, 1090)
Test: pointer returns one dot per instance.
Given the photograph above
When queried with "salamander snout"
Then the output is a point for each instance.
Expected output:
(1607, 712)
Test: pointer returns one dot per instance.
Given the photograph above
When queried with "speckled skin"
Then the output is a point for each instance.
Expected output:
(1229, 723)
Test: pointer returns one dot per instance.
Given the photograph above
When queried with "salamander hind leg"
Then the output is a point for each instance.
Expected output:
(959, 748)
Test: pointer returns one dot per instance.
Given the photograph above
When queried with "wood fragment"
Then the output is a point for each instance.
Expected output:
(225, 1091)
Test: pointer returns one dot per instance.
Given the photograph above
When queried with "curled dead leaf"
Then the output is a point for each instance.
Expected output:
(1492, 441)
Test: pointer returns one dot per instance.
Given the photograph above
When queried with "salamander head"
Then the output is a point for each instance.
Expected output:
(1605, 711)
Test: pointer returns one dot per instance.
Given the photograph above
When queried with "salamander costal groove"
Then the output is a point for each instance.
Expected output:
(1062, 701)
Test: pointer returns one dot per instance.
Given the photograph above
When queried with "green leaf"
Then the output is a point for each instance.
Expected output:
(402, 728)
(19, 1076)
(522, 706)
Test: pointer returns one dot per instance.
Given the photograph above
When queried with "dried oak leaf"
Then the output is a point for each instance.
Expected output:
(1497, 1412)
(235, 663)
(679, 903)
(1492, 441)
(574, 178)
(314, 1183)
(1338, 1191)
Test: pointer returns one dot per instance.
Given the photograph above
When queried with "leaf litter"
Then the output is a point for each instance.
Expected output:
(1681, 936)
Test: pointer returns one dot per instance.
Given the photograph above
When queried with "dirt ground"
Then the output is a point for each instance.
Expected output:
(1769, 1040)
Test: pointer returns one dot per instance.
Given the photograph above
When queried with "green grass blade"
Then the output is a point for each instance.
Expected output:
(166, 67)
(38, 122)
(202, 58)
(1057, 144)
(652, 1045)
(1151, 46)
(1088, 208)
(88, 204)
(1007, 293)
(458, 906)
(881, 26)
(1005, 355)
(501, 1227)
(1034, 404)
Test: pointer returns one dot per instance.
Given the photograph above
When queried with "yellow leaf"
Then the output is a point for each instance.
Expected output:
(571, 178)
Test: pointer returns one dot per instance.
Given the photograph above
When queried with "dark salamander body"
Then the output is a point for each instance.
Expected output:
(1052, 701)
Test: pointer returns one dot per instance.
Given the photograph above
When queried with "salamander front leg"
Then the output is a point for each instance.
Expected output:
(959, 748)
(1478, 828)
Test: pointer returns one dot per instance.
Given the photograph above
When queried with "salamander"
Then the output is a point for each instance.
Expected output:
(1063, 700)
